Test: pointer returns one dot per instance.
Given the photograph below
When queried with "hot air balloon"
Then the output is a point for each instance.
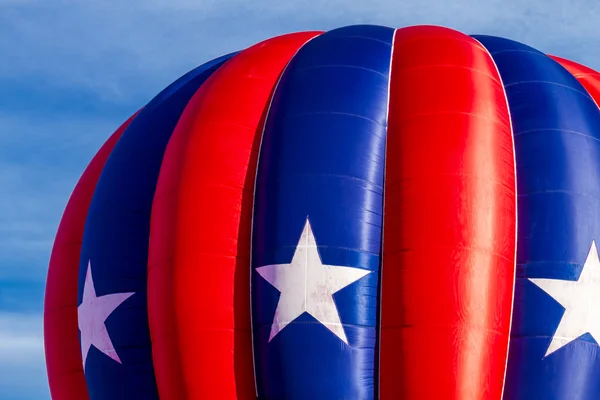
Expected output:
(360, 213)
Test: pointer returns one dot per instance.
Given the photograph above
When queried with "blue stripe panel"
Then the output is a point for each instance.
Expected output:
(322, 159)
(115, 244)
(556, 131)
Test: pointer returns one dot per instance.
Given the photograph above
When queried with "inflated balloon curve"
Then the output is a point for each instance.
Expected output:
(361, 213)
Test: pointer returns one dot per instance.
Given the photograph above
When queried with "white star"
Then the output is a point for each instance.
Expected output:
(91, 315)
(581, 300)
(306, 285)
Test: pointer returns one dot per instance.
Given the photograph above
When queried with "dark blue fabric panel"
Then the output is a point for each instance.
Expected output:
(115, 242)
(557, 143)
(322, 158)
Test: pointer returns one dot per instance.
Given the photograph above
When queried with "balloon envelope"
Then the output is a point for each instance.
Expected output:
(361, 213)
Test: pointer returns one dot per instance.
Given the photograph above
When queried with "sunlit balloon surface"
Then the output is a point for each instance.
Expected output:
(363, 213)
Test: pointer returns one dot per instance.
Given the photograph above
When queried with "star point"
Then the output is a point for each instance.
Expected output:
(581, 301)
(307, 285)
(92, 313)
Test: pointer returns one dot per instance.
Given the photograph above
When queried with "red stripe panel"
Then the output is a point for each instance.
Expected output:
(449, 221)
(61, 331)
(589, 78)
(199, 266)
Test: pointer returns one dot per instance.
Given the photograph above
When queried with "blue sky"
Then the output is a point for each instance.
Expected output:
(72, 71)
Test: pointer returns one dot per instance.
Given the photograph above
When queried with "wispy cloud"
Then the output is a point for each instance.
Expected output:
(22, 367)
(116, 48)
(40, 161)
